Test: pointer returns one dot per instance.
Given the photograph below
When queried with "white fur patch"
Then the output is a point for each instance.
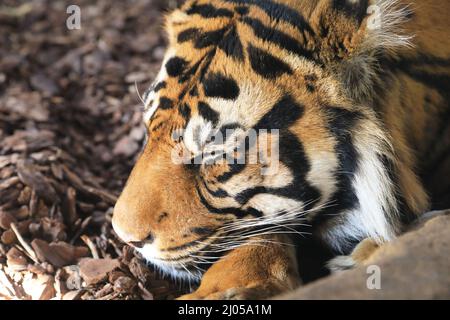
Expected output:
(321, 175)
(151, 254)
(271, 205)
(196, 134)
(385, 25)
(375, 193)
(251, 104)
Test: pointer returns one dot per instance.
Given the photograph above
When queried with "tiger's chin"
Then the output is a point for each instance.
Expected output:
(183, 270)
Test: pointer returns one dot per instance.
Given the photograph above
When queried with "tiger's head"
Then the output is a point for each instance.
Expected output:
(244, 121)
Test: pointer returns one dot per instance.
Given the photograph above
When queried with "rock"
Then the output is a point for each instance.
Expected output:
(59, 254)
(415, 266)
(31, 177)
(39, 287)
(126, 147)
(36, 269)
(139, 270)
(145, 294)
(66, 100)
(138, 133)
(44, 84)
(107, 289)
(96, 270)
(6, 219)
(73, 278)
(73, 295)
(8, 237)
(116, 274)
(69, 207)
(22, 213)
(53, 230)
(124, 284)
(60, 285)
(24, 197)
(93, 62)
(16, 260)
(136, 77)
(48, 267)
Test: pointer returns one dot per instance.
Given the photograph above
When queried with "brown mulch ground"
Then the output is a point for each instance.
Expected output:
(70, 129)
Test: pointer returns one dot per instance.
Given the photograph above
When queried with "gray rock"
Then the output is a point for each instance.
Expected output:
(415, 266)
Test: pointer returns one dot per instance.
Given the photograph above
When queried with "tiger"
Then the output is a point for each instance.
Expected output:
(348, 105)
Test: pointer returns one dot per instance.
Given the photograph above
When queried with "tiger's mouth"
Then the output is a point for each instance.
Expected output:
(186, 262)
(183, 269)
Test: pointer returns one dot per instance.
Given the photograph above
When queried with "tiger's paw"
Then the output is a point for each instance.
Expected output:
(362, 252)
(242, 293)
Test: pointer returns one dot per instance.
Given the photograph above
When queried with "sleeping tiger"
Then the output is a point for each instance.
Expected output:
(286, 138)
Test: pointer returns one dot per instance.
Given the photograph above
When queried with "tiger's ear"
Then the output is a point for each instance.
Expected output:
(359, 33)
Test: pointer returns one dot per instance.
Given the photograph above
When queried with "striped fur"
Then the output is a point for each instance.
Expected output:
(358, 92)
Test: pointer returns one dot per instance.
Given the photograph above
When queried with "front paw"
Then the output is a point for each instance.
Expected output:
(255, 293)
(360, 255)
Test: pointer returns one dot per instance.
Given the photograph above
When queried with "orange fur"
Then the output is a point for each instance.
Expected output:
(349, 80)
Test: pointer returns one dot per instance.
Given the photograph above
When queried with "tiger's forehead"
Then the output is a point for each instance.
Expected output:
(226, 63)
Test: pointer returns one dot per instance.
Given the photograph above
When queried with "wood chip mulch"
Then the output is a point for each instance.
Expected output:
(70, 129)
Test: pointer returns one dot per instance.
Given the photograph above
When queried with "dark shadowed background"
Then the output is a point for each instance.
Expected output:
(70, 129)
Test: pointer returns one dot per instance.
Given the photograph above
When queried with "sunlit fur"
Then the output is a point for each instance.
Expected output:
(360, 111)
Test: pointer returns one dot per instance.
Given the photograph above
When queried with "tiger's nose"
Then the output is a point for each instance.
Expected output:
(131, 239)
(140, 244)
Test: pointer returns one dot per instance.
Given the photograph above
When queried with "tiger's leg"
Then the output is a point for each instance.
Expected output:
(254, 271)
(360, 254)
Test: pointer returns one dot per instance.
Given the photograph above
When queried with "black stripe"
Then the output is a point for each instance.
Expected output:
(204, 248)
(406, 214)
(175, 66)
(233, 169)
(231, 44)
(186, 245)
(244, 196)
(234, 211)
(209, 11)
(209, 38)
(188, 34)
(208, 113)
(230, 127)
(165, 103)
(183, 93)
(283, 114)
(217, 85)
(194, 91)
(185, 111)
(277, 37)
(241, 10)
(219, 193)
(279, 11)
(341, 122)
(202, 231)
(190, 72)
(159, 86)
(267, 65)
(292, 154)
(440, 81)
(201, 38)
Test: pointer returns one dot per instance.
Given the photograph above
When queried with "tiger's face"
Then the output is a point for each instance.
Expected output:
(239, 137)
